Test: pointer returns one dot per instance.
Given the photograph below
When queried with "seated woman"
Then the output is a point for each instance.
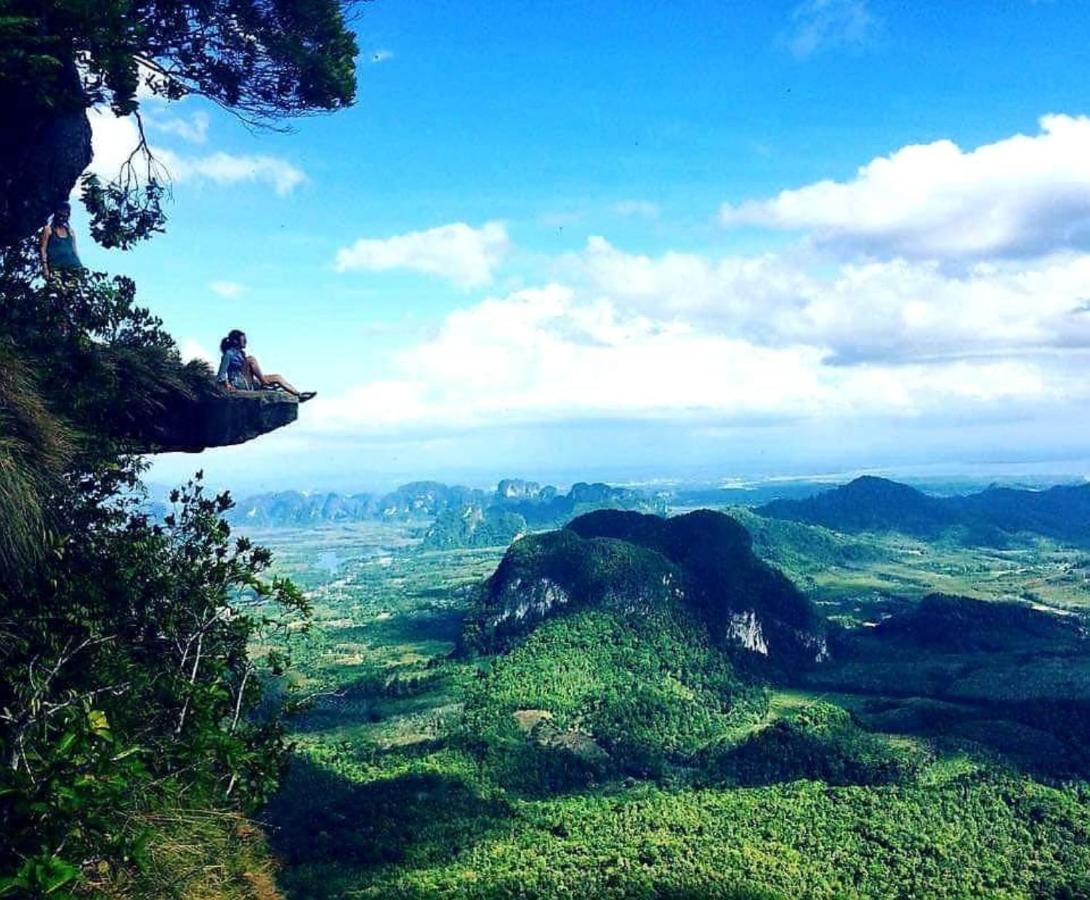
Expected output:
(240, 372)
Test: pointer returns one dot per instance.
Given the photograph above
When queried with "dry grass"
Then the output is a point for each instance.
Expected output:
(194, 855)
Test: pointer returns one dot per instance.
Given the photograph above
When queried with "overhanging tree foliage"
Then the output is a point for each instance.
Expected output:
(264, 60)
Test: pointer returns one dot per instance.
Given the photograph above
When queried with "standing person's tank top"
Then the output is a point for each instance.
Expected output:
(61, 251)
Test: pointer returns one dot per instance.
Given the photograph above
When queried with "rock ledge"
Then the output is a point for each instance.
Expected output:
(217, 420)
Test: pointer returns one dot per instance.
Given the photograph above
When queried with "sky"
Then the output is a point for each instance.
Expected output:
(632, 241)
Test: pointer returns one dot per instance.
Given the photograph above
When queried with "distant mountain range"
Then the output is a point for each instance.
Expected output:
(455, 516)
(459, 516)
(992, 517)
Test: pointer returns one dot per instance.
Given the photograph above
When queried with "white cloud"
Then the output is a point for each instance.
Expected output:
(192, 349)
(226, 168)
(820, 24)
(193, 128)
(227, 289)
(113, 140)
(640, 208)
(548, 355)
(381, 56)
(458, 252)
(897, 310)
(1020, 196)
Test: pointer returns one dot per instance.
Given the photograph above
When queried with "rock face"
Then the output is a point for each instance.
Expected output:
(542, 575)
(42, 153)
(216, 420)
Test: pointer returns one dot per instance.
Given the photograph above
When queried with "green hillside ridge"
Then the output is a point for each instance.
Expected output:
(993, 517)
(941, 622)
(472, 525)
(1002, 675)
(600, 693)
(460, 516)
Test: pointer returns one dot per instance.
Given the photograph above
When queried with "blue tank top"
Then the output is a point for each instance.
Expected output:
(61, 251)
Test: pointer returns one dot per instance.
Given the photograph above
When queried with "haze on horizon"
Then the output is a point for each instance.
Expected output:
(596, 240)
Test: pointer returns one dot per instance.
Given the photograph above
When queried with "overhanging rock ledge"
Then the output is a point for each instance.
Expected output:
(218, 419)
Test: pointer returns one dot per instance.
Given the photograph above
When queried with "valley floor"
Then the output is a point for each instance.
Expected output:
(391, 795)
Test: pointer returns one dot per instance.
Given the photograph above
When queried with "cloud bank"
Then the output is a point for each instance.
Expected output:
(938, 285)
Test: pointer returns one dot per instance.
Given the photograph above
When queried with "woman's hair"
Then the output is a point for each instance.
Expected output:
(62, 210)
(233, 339)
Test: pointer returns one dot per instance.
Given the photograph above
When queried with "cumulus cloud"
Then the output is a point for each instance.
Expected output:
(464, 255)
(821, 24)
(227, 168)
(113, 140)
(1021, 196)
(229, 290)
(894, 310)
(549, 354)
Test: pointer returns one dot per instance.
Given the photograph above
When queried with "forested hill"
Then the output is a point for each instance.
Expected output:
(993, 516)
(639, 564)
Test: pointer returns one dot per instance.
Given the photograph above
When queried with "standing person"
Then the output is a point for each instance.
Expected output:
(240, 372)
(58, 245)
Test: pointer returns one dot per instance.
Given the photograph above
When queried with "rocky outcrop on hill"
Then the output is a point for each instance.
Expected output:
(542, 575)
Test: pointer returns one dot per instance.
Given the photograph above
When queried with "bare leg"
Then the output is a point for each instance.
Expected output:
(252, 371)
(278, 381)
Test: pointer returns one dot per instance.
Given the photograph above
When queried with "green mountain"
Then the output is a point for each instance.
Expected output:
(1061, 512)
(991, 518)
(1005, 676)
(464, 516)
(869, 504)
(702, 562)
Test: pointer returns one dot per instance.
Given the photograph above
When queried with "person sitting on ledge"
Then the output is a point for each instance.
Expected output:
(240, 372)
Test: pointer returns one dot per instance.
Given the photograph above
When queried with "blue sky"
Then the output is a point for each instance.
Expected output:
(554, 240)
